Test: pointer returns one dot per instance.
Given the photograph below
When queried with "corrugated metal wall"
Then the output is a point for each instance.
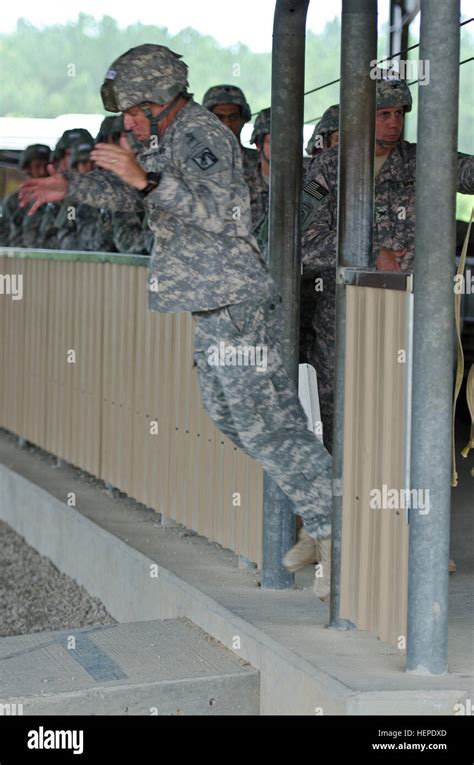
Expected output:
(375, 541)
(87, 372)
(87, 369)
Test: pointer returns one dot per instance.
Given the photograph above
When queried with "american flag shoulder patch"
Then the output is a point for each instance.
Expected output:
(316, 190)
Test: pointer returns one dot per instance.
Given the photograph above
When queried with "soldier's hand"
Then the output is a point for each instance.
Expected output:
(42, 190)
(389, 260)
(121, 161)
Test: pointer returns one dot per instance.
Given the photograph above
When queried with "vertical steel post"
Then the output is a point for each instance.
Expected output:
(284, 243)
(436, 170)
(355, 221)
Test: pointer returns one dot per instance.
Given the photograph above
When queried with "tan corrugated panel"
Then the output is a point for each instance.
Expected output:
(108, 375)
(131, 366)
(140, 434)
(20, 342)
(374, 541)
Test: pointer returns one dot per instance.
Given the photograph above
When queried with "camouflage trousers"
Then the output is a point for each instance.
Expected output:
(256, 404)
(318, 341)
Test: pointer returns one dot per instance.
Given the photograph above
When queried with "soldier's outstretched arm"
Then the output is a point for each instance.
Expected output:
(100, 188)
(103, 188)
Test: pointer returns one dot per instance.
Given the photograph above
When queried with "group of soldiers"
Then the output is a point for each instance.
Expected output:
(68, 226)
(206, 260)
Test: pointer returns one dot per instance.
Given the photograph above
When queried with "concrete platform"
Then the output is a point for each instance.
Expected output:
(168, 667)
(109, 546)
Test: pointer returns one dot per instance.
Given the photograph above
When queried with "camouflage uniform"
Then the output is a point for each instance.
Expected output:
(394, 228)
(250, 164)
(206, 261)
(258, 183)
(12, 221)
(18, 230)
(131, 232)
(88, 228)
(80, 227)
(47, 231)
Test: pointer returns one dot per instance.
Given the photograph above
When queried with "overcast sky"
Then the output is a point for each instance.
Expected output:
(247, 21)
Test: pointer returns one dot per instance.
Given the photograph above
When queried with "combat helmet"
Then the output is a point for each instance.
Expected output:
(227, 94)
(67, 141)
(391, 91)
(34, 151)
(145, 74)
(261, 126)
(80, 153)
(328, 123)
(106, 130)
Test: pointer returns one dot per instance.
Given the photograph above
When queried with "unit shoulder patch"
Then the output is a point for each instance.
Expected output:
(205, 159)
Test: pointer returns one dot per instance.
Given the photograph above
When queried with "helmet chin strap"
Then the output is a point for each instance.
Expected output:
(386, 144)
(155, 119)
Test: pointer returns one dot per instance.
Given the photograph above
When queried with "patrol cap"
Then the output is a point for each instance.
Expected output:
(80, 153)
(147, 73)
(392, 91)
(261, 126)
(34, 151)
(227, 94)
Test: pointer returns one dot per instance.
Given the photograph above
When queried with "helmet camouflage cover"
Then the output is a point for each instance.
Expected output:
(328, 123)
(146, 73)
(262, 125)
(34, 151)
(392, 92)
(227, 94)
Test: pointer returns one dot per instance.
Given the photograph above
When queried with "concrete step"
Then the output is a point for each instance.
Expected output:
(164, 667)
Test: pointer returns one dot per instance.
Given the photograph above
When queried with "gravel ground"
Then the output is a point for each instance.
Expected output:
(35, 596)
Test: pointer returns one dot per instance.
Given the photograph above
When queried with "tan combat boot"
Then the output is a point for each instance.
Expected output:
(322, 574)
(302, 553)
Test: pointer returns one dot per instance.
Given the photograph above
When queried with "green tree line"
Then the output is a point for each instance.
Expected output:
(59, 69)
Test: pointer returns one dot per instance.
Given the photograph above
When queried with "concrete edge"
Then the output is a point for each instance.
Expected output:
(114, 572)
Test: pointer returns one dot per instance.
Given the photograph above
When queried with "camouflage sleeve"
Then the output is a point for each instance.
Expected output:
(13, 220)
(91, 236)
(130, 235)
(101, 188)
(4, 223)
(198, 187)
(465, 174)
(319, 220)
(66, 227)
(31, 228)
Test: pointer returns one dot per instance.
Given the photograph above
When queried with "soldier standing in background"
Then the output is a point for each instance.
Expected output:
(259, 179)
(229, 104)
(59, 159)
(34, 162)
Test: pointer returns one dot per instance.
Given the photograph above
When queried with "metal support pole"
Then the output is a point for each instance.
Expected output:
(436, 171)
(355, 220)
(284, 242)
